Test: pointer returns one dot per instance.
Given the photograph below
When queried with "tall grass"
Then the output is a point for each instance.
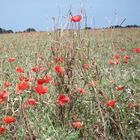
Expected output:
(89, 80)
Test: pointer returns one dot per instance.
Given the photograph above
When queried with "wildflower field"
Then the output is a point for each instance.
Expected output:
(70, 85)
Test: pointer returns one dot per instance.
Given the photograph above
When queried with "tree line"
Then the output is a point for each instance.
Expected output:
(127, 26)
(3, 31)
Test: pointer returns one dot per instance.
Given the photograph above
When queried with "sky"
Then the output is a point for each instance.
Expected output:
(19, 15)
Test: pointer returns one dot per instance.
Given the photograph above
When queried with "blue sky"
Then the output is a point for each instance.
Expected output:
(21, 14)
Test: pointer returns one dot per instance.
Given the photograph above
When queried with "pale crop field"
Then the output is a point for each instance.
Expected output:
(70, 85)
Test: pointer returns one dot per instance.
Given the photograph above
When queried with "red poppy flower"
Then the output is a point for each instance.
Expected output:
(7, 84)
(116, 62)
(122, 49)
(76, 18)
(124, 61)
(23, 85)
(2, 129)
(120, 88)
(63, 99)
(32, 102)
(20, 70)
(117, 56)
(48, 79)
(81, 90)
(111, 62)
(37, 69)
(41, 81)
(3, 96)
(111, 103)
(11, 59)
(126, 57)
(9, 119)
(59, 69)
(23, 78)
(40, 89)
(77, 124)
(54, 83)
(137, 50)
(87, 66)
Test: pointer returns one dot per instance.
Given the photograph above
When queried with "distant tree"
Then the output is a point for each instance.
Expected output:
(2, 31)
(30, 30)
(116, 26)
(132, 26)
(127, 26)
(9, 31)
(87, 28)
